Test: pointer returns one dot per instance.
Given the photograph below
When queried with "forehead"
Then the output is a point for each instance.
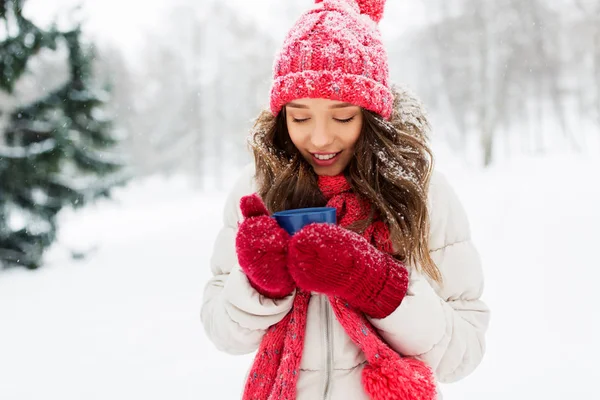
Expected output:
(318, 104)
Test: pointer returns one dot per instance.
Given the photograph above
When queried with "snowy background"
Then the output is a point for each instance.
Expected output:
(124, 321)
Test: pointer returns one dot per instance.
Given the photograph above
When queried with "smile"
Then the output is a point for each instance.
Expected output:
(325, 159)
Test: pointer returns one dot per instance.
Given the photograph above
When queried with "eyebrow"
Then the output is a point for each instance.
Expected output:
(339, 105)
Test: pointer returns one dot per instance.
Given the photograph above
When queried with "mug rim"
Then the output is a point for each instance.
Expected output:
(304, 211)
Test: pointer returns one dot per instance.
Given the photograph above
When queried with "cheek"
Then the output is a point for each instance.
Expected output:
(293, 132)
(352, 136)
(297, 135)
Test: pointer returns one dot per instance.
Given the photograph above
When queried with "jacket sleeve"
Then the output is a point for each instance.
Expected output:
(443, 325)
(235, 316)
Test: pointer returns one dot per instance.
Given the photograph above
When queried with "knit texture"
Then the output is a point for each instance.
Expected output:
(387, 375)
(337, 262)
(335, 51)
(276, 367)
(351, 208)
(261, 246)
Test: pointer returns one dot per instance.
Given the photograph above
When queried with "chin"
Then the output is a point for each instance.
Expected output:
(331, 170)
(328, 171)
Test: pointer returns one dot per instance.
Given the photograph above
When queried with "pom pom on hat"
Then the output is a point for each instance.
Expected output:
(372, 8)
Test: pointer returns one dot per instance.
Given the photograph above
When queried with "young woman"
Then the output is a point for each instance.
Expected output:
(384, 304)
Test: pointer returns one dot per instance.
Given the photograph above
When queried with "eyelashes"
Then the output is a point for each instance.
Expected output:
(344, 121)
(341, 121)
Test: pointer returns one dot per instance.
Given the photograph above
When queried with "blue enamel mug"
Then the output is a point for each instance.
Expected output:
(294, 220)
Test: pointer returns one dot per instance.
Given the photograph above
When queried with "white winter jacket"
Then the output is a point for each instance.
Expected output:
(443, 326)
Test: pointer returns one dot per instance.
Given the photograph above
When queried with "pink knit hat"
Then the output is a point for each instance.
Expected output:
(335, 52)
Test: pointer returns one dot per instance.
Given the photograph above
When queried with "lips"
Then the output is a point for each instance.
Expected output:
(327, 162)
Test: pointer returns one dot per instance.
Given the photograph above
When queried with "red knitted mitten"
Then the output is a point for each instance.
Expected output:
(328, 259)
(261, 246)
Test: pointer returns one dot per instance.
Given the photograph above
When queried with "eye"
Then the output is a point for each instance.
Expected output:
(344, 121)
(300, 120)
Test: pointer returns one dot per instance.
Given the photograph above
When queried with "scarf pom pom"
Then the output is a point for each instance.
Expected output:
(399, 379)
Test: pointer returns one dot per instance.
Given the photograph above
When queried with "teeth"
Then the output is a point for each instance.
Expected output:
(325, 157)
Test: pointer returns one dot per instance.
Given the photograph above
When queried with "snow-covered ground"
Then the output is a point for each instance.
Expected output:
(124, 322)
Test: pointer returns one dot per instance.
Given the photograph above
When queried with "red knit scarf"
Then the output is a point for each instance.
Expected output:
(276, 367)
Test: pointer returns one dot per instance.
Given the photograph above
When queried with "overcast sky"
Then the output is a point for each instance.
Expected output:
(125, 22)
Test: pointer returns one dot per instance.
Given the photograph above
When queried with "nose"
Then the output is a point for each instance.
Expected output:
(320, 138)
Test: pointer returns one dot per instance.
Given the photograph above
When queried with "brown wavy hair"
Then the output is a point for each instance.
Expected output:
(391, 167)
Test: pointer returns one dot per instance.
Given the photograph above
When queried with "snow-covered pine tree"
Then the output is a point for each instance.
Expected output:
(54, 150)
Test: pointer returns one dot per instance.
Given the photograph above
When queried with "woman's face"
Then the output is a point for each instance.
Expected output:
(325, 132)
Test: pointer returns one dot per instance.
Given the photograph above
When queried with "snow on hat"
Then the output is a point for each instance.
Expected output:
(335, 51)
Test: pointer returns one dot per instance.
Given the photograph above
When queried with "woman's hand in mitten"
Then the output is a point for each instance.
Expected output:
(328, 259)
(261, 246)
